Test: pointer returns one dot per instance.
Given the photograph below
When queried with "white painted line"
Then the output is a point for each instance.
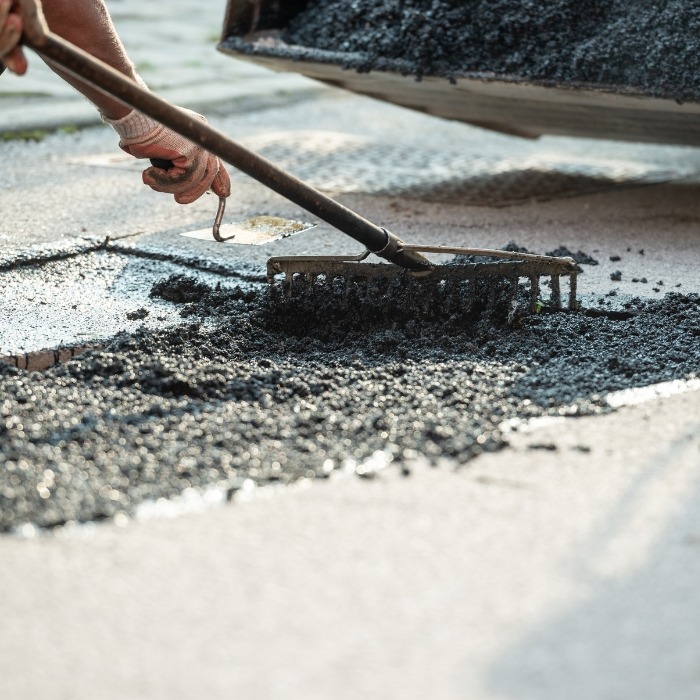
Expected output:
(633, 397)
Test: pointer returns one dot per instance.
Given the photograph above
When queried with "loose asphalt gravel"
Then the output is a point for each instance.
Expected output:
(650, 46)
(272, 390)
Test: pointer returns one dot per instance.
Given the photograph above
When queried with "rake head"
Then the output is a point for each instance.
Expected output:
(485, 276)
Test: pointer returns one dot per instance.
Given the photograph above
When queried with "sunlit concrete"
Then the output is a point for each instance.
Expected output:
(531, 573)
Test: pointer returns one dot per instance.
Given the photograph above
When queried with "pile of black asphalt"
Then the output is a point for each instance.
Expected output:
(256, 386)
(645, 45)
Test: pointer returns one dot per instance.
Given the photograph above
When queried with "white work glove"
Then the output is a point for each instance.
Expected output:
(194, 170)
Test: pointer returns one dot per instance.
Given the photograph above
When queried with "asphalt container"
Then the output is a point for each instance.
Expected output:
(521, 96)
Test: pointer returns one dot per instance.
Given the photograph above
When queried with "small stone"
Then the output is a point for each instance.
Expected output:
(137, 315)
(548, 446)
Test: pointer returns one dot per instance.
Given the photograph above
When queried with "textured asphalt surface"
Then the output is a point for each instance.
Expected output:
(646, 47)
(265, 393)
(528, 572)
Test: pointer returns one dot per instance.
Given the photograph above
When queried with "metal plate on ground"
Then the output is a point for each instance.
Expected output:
(495, 102)
(343, 163)
(255, 231)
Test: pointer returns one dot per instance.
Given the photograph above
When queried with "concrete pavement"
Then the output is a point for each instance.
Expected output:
(174, 52)
(534, 572)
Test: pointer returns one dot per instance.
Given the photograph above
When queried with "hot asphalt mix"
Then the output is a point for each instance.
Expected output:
(647, 46)
(273, 389)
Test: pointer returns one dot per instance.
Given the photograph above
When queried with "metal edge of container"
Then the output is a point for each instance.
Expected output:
(500, 103)
(245, 16)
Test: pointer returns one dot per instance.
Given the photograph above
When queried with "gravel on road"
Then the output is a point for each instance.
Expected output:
(648, 46)
(275, 391)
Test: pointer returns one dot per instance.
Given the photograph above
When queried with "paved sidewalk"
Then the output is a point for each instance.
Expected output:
(173, 46)
(530, 575)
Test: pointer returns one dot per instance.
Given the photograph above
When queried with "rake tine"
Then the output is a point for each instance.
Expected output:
(534, 291)
(357, 288)
(491, 303)
(513, 304)
(442, 299)
(451, 298)
(443, 289)
(513, 289)
(428, 292)
(471, 287)
(572, 292)
(363, 288)
(556, 292)
(457, 295)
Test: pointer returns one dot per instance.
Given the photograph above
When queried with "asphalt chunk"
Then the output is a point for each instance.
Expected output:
(138, 314)
(275, 390)
(580, 257)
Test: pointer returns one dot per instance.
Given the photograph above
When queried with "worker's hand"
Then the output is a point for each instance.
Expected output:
(194, 170)
(11, 27)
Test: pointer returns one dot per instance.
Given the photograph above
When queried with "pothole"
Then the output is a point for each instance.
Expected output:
(273, 393)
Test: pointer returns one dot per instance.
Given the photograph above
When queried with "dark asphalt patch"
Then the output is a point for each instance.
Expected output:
(650, 46)
(275, 392)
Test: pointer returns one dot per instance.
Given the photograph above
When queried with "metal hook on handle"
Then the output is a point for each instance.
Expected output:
(217, 222)
(166, 165)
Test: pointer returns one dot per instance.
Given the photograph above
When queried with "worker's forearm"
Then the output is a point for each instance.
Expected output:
(86, 23)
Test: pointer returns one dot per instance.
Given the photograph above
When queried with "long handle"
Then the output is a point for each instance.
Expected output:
(103, 77)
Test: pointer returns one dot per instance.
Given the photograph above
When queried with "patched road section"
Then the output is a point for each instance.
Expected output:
(253, 387)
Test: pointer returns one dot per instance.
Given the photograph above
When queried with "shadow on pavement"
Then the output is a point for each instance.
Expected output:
(635, 633)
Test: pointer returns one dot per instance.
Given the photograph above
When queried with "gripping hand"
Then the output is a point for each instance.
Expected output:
(193, 170)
